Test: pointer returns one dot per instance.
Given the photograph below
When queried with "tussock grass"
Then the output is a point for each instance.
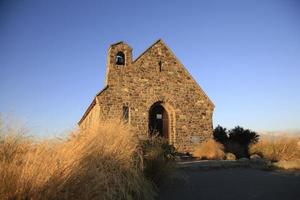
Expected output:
(159, 159)
(210, 150)
(277, 148)
(289, 165)
(104, 162)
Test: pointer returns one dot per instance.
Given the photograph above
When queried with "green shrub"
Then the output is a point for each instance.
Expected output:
(158, 159)
(237, 149)
(242, 136)
(220, 134)
(236, 140)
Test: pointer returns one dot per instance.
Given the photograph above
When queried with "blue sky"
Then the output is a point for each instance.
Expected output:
(244, 54)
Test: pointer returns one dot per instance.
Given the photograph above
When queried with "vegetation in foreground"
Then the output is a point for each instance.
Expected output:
(237, 140)
(105, 162)
(209, 150)
(227, 144)
(283, 150)
(158, 160)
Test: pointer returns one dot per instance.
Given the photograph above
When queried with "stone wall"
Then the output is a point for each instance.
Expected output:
(155, 76)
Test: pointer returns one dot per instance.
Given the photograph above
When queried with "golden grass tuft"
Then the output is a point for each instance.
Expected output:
(277, 148)
(210, 149)
(289, 165)
(103, 162)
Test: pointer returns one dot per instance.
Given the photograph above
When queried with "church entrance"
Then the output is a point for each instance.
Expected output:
(158, 120)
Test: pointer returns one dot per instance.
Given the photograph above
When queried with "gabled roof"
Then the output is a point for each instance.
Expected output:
(120, 42)
(161, 41)
(93, 103)
(158, 41)
(101, 91)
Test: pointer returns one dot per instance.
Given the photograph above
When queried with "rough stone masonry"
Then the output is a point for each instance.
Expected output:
(155, 94)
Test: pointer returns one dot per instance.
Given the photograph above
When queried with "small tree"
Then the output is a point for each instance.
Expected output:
(236, 140)
(220, 134)
(242, 136)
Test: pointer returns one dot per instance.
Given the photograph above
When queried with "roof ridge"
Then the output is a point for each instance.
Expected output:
(157, 41)
(189, 74)
(92, 104)
(116, 43)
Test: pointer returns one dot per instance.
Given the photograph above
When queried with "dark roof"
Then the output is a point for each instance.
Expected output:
(120, 42)
(102, 90)
(91, 105)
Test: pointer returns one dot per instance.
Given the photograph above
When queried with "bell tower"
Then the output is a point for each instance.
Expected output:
(119, 57)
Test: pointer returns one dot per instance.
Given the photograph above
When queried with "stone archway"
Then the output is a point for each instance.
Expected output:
(158, 120)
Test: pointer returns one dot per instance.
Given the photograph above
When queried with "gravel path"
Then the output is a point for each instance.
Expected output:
(232, 184)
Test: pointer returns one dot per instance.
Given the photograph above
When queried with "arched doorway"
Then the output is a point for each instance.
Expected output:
(158, 120)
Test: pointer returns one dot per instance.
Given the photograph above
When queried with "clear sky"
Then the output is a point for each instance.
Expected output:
(244, 54)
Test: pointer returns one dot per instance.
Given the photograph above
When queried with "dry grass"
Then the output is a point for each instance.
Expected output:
(159, 159)
(210, 150)
(277, 148)
(293, 164)
(101, 163)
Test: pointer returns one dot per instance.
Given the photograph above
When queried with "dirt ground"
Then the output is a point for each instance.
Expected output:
(232, 184)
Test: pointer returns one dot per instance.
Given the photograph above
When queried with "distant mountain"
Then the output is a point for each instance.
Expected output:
(295, 132)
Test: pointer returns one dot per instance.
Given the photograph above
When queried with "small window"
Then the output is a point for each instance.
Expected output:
(120, 58)
(126, 113)
(160, 66)
(158, 116)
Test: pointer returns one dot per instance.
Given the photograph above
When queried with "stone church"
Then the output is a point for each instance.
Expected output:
(155, 94)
